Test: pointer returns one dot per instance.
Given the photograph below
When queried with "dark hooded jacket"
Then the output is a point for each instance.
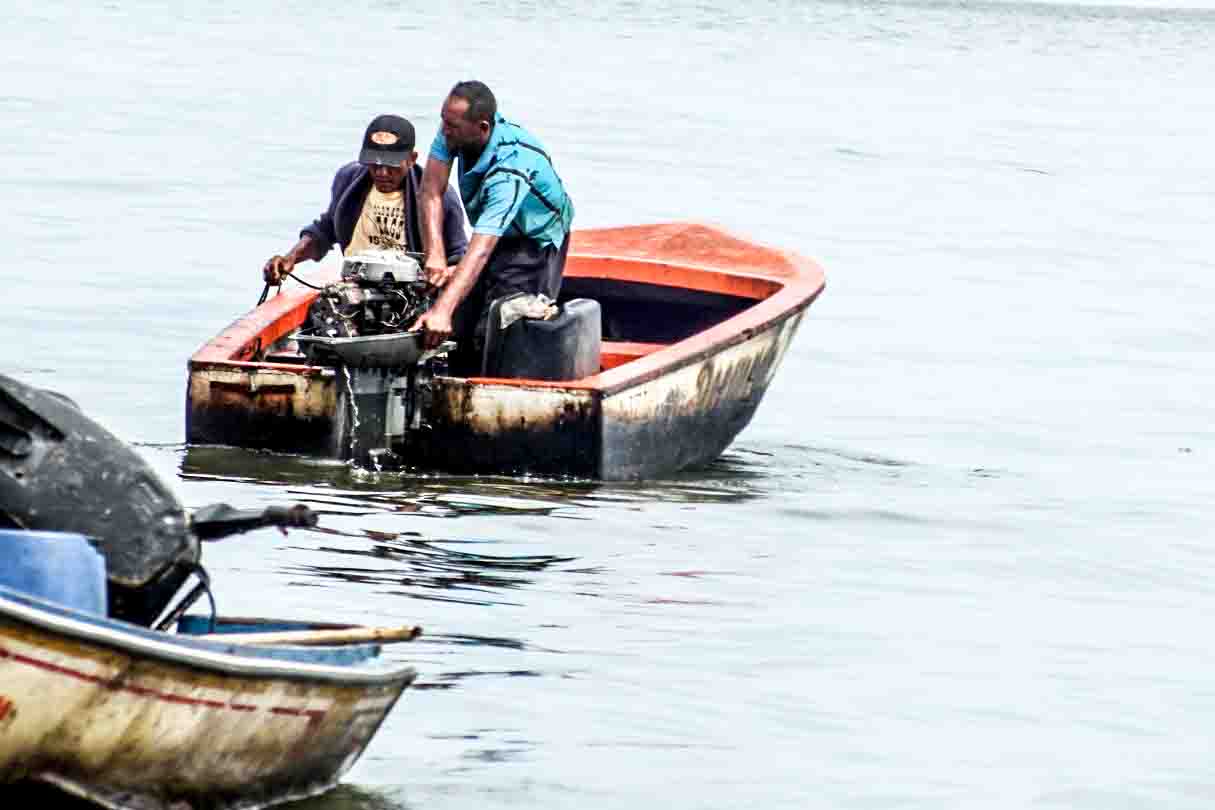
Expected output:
(350, 187)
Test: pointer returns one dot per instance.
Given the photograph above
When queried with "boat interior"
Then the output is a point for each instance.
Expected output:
(627, 319)
(639, 318)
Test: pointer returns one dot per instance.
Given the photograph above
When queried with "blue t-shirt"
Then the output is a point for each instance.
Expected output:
(513, 189)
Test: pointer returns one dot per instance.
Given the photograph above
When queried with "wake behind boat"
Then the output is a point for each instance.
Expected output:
(666, 338)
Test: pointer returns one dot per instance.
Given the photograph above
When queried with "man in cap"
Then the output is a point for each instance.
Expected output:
(521, 216)
(375, 204)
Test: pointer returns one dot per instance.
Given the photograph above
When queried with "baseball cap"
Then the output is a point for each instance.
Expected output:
(387, 141)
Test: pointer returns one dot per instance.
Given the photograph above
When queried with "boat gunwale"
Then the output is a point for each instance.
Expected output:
(213, 656)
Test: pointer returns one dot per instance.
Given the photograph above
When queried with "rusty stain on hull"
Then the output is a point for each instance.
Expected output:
(275, 409)
(690, 415)
(507, 427)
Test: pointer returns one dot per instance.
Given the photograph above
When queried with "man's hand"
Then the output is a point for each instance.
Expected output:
(277, 268)
(437, 326)
(437, 271)
(430, 207)
(457, 282)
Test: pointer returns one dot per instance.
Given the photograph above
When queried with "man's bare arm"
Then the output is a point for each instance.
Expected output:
(437, 320)
(434, 183)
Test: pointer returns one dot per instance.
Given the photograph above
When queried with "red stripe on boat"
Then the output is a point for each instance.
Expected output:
(314, 716)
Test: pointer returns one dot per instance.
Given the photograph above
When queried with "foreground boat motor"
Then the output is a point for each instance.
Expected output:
(62, 472)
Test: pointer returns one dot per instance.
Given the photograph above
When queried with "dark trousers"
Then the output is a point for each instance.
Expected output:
(516, 265)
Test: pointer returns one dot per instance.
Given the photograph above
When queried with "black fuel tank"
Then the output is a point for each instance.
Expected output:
(565, 347)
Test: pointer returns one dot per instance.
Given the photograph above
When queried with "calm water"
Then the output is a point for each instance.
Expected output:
(961, 556)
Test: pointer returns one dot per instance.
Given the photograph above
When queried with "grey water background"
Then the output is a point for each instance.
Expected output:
(960, 557)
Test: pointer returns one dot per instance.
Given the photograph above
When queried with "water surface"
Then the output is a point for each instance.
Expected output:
(960, 556)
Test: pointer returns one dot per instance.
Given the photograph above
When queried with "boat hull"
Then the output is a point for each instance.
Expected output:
(679, 418)
(111, 713)
(690, 415)
(280, 409)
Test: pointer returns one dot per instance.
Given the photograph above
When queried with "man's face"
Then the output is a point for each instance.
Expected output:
(460, 133)
(388, 179)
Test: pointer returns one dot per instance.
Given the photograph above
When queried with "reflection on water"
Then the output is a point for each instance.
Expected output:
(351, 797)
(425, 569)
(734, 477)
(342, 797)
(447, 680)
(505, 594)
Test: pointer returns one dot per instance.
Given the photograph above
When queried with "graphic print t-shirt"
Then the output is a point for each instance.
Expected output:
(382, 223)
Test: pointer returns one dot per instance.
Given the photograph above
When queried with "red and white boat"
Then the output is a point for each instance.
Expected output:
(694, 324)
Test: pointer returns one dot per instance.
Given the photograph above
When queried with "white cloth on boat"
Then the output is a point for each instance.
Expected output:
(538, 307)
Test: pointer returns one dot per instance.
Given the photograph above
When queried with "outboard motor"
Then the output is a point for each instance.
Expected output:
(387, 381)
(358, 325)
(381, 292)
(62, 472)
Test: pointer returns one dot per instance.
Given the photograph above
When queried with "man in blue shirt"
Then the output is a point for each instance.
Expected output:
(520, 212)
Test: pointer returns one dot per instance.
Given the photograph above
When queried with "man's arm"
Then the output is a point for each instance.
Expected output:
(437, 320)
(503, 197)
(455, 229)
(434, 182)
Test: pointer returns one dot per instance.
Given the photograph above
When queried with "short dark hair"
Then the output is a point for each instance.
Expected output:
(482, 106)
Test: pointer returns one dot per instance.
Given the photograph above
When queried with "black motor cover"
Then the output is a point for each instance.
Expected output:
(61, 471)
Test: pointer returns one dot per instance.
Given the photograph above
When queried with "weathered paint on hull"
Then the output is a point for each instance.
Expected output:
(688, 416)
(507, 428)
(106, 723)
(682, 418)
(277, 409)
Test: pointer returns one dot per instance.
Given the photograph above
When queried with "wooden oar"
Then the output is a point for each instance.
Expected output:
(352, 635)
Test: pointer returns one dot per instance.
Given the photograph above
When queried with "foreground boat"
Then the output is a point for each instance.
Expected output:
(109, 688)
(133, 718)
(695, 323)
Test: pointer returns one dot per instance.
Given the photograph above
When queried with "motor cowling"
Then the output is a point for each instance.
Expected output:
(61, 471)
(381, 292)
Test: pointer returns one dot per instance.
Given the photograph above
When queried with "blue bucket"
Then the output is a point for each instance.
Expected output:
(57, 566)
